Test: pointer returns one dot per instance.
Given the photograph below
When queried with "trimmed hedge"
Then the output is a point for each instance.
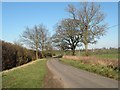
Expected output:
(14, 55)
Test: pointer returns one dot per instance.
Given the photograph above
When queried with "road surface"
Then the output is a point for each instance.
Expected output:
(72, 77)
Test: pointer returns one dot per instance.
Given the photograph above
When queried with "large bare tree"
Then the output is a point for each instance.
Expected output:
(91, 23)
(35, 38)
(67, 35)
(44, 38)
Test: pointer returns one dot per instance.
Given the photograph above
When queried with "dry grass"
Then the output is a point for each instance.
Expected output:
(94, 61)
(98, 69)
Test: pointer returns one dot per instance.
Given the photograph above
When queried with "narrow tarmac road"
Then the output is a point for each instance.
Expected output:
(72, 77)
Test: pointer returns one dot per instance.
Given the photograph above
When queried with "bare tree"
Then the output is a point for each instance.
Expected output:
(49, 46)
(67, 35)
(44, 38)
(34, 38)
(18, 43)
(91, 23)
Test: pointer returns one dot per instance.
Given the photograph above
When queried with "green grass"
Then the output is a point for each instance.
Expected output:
(101, 70)
(103, 54)
(107, 53)
(30, 76)
(108, 56)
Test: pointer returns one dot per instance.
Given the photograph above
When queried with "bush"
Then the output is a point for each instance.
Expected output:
(48, 55)
(15, 55)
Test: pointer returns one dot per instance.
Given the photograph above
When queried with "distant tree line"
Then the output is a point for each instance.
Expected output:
(15, 55)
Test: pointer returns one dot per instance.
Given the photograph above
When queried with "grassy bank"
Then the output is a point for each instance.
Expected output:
(98, 69)
(30, 76)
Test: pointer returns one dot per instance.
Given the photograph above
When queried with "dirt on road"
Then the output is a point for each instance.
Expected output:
(51, 81)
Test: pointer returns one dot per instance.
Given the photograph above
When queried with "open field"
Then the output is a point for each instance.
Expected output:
(98, 69)
(31, 76)
(107, 54)
(103, 54)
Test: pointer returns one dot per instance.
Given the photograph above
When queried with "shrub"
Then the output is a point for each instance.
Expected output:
(47, 55)
(14, 55)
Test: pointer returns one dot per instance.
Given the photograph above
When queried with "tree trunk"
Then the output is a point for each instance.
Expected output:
(42, 54)
(86, 49)
(37, 44)
(42, 50)
(36, 54)
(73, 52)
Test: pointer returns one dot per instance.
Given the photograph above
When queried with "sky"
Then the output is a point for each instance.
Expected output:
(16, 16)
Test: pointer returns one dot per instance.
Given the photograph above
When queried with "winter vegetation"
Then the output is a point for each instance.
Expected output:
(84, 27)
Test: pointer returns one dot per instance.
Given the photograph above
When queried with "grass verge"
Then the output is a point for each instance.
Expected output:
(30, 76)
(98, 69)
